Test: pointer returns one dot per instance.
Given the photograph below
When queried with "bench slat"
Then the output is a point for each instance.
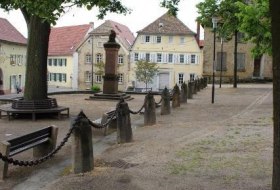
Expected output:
(19, 150)
(23, 140)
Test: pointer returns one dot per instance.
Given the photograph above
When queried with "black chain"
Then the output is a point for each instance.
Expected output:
(137, 112)
(157, 103)
(40, 160)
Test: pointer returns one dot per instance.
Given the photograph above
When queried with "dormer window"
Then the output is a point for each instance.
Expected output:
(147, 39)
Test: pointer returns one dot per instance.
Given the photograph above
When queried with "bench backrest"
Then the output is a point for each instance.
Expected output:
(30, 140)
(35, 104)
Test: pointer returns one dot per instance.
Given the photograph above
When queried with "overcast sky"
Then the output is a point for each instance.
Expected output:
(143, 13)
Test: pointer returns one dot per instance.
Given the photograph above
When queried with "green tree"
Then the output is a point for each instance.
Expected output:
(227, 11)
(39, 16)
(145, 71)
(256, 13)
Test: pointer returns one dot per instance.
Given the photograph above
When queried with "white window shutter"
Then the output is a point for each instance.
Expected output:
(153, 57)
(185, 59)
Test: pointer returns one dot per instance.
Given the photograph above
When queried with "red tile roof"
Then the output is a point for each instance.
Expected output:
(167, 24)
(64, 40)
(123, 32)
(9, 33)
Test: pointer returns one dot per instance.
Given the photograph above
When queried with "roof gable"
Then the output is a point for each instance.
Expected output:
(9, 33)
(123, 33)
(167, 24)
(65, 40)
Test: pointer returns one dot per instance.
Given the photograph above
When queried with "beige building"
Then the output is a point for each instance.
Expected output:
(93, 47)
(248, 68)
(13, 46)
(173, 47)
(62, 56)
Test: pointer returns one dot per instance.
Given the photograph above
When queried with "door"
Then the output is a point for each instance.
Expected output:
(257, 67)
(163, 80)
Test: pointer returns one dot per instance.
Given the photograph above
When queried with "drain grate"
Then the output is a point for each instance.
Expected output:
(121, 164)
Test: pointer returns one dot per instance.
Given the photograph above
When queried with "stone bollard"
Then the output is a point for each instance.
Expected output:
(205, 82)
(150, 110)
(184, 92)
(82, 150)
(165, 103)
(124, 130)
(190, 91)
(176, 97)
(195, 87)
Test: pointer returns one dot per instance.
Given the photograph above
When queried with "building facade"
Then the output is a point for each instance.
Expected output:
(62, 55)
(92, 55)
(171, 45)
(248, 67)
(13, 46)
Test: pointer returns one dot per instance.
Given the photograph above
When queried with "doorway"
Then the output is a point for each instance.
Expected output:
(257, 67)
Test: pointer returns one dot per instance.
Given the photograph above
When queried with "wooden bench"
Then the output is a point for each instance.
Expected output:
(105, 118)
(34, 107)
(42, 141)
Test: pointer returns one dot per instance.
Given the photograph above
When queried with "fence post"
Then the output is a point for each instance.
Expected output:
(44, 149)
(165, 104)
(124, 131)
(190, 91)
(82, 150)
(184, 93)
(176, 97)
(150, 110)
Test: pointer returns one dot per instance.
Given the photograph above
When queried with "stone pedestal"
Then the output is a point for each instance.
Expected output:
(110, 85)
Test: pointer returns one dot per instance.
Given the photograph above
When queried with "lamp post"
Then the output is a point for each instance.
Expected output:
(221, 68)
(214, 21)
(91, 60)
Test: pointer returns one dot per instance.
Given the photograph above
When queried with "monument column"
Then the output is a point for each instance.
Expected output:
(110, 85)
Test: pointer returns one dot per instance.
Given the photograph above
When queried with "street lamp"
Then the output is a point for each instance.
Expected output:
(91, 60)
(215, 22)
(221, 67)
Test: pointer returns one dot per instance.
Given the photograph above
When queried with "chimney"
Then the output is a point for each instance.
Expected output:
(197, 37)
(92, 24)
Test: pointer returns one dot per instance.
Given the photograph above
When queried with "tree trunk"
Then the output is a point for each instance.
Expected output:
(37, 54)
(275, 14)
(235, 60)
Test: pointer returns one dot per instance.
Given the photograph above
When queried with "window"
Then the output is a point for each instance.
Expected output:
(147, 39)
(170, 58)
(223, 59)
(98, 78)
(64, 77)
(60, 62)
(64, 61)
(241, 62)
(98, 58)
(19, 59)
(170, 39)
(136, 56)
(53, 76)
(192, 76)
(120, 59)
(50, 62)
(240, 37)
(158, 39)
(182, 58)
(13, 60)
(54, 62)
(159, 57)
(193, 59)
(87, 76)
(120, 76)
(182, 40)
(147, 57)
(180, 78)
(88, 58)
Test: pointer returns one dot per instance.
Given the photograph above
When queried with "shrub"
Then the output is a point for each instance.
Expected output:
(95, 88)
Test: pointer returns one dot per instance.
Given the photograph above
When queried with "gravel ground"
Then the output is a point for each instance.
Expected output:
(225, 145)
